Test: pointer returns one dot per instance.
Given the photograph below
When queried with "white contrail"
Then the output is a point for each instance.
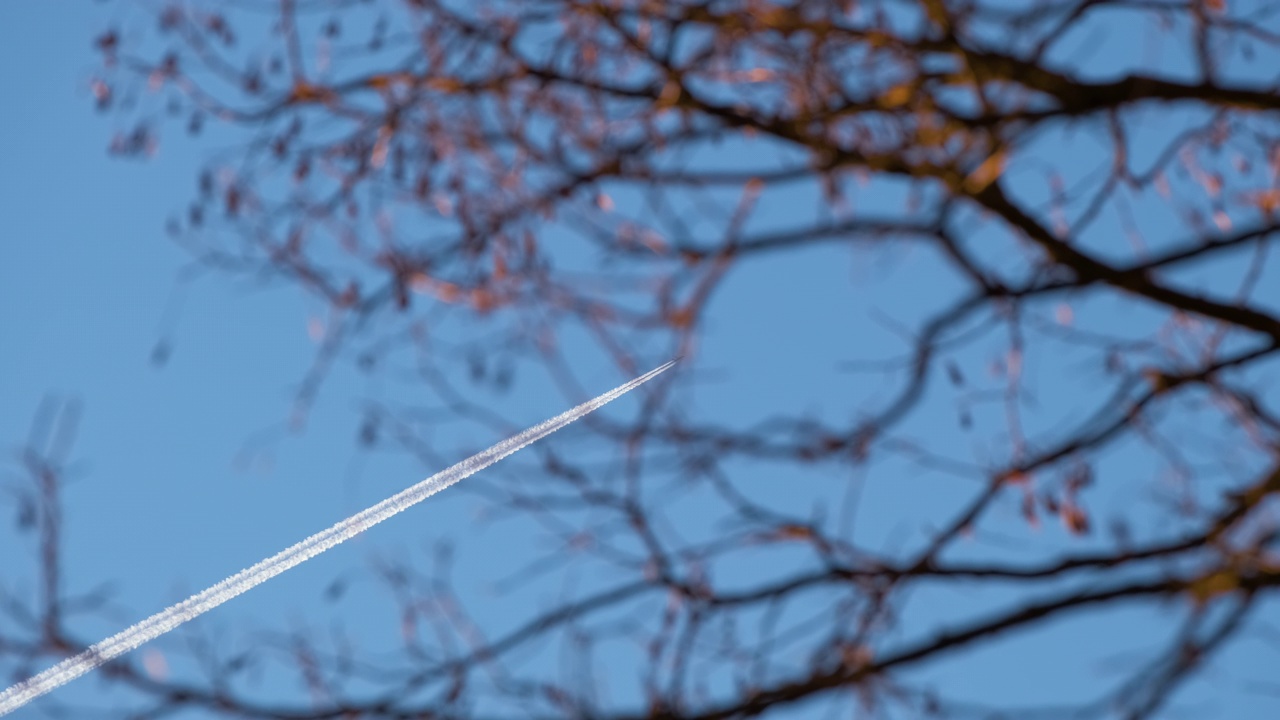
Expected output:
(202, 602)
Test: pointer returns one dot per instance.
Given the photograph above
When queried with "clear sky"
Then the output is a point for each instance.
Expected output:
(185, 471)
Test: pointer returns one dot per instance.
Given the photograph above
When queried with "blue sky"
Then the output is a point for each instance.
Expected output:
(185, 471)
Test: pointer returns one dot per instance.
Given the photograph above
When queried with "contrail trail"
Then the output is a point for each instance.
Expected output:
(202, 602)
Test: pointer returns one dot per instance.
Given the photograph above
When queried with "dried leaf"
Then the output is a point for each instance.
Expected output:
(988, 172)
(1064, 314)
(1074, 519)
(792, 532)
(897, 96)
(681, 319)
(1213, 585)
(304, 91)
